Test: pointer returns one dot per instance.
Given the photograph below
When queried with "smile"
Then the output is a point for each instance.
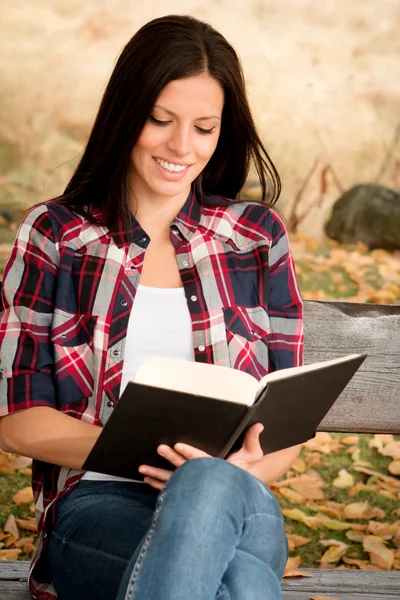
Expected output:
(171, 167)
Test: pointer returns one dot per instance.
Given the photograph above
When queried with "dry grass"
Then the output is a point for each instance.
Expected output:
(323, 79)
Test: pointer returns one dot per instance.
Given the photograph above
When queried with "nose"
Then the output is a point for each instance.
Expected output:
(179, 141)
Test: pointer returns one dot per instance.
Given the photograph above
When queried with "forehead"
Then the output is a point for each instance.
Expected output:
(199, 96)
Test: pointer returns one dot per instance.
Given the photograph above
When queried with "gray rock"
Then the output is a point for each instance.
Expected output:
(367, 213)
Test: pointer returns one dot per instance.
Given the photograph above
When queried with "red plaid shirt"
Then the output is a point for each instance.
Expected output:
(68, 289)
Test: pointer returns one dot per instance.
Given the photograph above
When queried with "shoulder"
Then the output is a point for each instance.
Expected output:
(244, 222)
(50, 217)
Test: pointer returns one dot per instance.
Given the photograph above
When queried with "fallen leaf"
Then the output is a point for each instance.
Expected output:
(299, 465)
(356, 510)
(350, 440)
(343, 480)
(336, 525)
(28, 524)
(335, 551)
(324, 598)
(295, 573)
(292, 496)
(293, 562)
(24, 496)
(380, 555)
(295, 540)
(20, 462)
(11, 526)
(354, 536)
(11, 554)
(394, 467)
(354, 561)
(384, 530)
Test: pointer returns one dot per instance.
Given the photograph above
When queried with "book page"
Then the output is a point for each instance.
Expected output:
(291, 371)
(202, 379)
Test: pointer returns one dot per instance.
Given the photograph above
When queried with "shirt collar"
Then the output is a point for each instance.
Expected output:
(192, 217)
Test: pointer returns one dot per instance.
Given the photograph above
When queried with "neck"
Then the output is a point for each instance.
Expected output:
(155, 214)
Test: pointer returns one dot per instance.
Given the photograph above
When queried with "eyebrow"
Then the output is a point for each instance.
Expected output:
(174, 115)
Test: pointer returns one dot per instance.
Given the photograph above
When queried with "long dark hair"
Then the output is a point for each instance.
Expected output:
(168, 48)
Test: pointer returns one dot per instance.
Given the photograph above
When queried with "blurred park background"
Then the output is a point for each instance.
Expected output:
(324, 83)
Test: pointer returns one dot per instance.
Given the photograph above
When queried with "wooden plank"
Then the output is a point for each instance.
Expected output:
(371, 401)
(14, 590)
(14, 570)
(350, 584)
(347, 584)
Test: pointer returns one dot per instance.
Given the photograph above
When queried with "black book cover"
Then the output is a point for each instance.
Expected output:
(290, 410)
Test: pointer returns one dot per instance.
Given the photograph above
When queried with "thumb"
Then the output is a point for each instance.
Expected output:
(251, 442)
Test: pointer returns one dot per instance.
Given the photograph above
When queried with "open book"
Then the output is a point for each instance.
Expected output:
(211, 407)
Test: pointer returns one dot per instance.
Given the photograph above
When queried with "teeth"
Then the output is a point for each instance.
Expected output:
(170, 166)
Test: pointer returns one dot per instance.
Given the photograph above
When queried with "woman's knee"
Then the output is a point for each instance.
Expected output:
(222, 481)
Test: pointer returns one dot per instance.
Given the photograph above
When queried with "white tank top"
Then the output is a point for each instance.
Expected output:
(159, 325)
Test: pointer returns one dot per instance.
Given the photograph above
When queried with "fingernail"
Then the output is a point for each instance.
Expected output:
(142, 470)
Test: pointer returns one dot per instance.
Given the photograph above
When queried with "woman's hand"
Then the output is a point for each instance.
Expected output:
(177, 456)
(247, 458)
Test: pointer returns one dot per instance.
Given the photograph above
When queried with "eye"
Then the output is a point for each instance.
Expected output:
(205, 131)
(157, 122)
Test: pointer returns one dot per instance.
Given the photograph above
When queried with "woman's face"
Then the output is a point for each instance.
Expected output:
(178, 139)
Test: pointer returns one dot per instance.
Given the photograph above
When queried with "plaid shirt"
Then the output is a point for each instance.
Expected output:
(68, 290)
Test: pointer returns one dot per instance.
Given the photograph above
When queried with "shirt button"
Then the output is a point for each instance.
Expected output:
(116, 352)
(124, 303)
(132, 268)
(143, 239)
(193, 298)
(185, 263)
(110, 403)
(64, 337)
(202, 348)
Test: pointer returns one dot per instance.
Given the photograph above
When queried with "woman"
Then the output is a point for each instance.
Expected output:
(147, 253)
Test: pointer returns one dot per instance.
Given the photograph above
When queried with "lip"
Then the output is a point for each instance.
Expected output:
(171, 175)
(183, 164)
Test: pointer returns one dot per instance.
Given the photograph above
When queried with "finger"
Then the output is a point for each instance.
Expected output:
(154, 483)
(155, 472)
(190, 452)
(174, 457)
(251, 442)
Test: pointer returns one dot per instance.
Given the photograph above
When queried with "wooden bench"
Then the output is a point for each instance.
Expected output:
(370, 404)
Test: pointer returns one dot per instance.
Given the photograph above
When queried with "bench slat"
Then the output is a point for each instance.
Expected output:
(346, 584)
(371, 401)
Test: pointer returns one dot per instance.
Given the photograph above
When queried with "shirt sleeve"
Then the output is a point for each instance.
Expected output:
(26, 355)
(286, 339)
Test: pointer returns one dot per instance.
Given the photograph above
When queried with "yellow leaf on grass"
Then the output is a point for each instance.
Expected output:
(311, 490)
(384, 530)
(293, 562)
(292, 496)
(11, 527)
(350, 440)
(380, 555)
(331, 512)
(11, 554)
(298, 515)
(28, 524)
(295, 540)
(356, 510)
(354, 536)
(343, 480)
(299, 465)
(354, 561)
(394, 467)
(336, 525)
(335, 551)
(24, 496)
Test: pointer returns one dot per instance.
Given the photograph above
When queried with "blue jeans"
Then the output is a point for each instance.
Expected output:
(214, 532)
